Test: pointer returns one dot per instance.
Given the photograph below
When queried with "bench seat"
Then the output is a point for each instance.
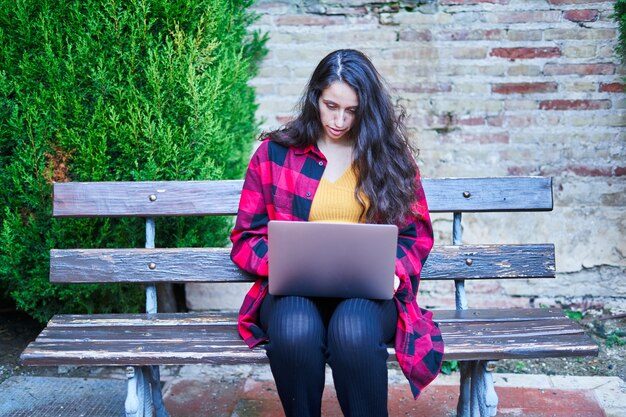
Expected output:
(141, 342)
(211, 338)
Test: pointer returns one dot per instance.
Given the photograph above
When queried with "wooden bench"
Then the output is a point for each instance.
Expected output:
(141, 342)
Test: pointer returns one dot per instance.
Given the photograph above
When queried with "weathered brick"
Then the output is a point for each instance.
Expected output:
(607, 15)
(522, 170)
(491, 69)
(619, 103)
(421, 87)
(590, 171)
(413, 19)
(422, 70)
(467, 105)
(606, 51)
(415, 53)
(471, 35)
(526, 16)
(526, 70)
(272, 105)
(412, 35)
(347, 11)
(612, 88)
(302, 72)
(525, 53)
(470, 2)
(468, 121)
(614, 199)
(579, 51)
(511, 121)
(580, 120)
(524, 35)
(294, 55)
(309, 20)
(579, 34)
(581, 15)
(497, 121)
(271, 71)
(470, 87)
(502, 137)
(469, 53)
(580, 69)
(559, 170)
(613, 119)
(548, 118)
(289, 89)
(466, 18)
(560, 2)
(361, 37)
(620, 171)
(524, 88)
(520, 105)
(574, 104)
(578, 87)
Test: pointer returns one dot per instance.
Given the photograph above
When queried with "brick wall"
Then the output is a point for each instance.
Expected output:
(493, 87)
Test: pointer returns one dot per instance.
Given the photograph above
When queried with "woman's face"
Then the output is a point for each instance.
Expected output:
(338, 104)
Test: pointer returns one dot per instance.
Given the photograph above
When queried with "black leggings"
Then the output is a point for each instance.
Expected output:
(348, 334)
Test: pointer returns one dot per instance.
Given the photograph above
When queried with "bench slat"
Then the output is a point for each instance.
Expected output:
(183, 338)
(214, 264)
(513, 348)
(199, 198)
(220, 334)
(474, 315)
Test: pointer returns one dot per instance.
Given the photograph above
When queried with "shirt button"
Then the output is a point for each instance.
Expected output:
(321, 163)
(308, 194)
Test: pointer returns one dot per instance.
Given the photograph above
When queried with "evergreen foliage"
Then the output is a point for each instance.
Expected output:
(620, 17)
(110, 90)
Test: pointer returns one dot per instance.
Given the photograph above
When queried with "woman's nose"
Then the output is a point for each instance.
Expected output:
(340, 119)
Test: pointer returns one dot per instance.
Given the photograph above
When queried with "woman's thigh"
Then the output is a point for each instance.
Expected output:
(292, 318)
(359, 320)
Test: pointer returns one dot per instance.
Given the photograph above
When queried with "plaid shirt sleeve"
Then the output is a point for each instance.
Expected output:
(249, 236)
(249, 251)
(418, 342)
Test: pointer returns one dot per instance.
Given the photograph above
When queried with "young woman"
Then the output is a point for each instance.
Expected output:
(344, 158)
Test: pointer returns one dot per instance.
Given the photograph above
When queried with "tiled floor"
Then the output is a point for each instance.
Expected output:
(250, 392)
(191, 398)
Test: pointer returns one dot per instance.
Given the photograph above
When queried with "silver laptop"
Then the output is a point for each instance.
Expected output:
(332, 259)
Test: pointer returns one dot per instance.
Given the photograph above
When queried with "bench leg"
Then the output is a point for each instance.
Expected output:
(139, 397)
(157, 395)
(463, 406)
(477, 397)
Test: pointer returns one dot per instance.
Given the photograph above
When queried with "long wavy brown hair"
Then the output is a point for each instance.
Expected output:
(383, 156)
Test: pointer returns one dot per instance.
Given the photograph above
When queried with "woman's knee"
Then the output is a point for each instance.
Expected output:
(294, 323)
(356, 328)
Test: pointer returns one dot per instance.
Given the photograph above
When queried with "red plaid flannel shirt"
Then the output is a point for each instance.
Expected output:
(280, 185)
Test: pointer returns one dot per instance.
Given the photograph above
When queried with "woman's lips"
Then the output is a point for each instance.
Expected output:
(336, 132)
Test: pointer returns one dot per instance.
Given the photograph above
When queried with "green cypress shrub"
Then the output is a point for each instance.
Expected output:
(132, 90)
(620, 17)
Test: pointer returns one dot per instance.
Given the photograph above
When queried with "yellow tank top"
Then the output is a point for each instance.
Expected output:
(335, 201)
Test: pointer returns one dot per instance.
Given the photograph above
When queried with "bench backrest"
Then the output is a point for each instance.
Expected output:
(204, 198)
